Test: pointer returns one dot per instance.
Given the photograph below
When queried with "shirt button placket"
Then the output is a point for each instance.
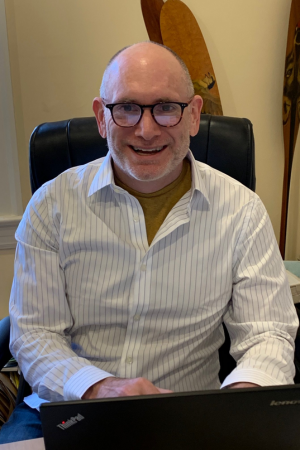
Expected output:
(134, 330)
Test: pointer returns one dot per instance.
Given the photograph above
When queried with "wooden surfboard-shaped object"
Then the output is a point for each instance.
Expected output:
(151, 12)
(180, 31)
(290, 110)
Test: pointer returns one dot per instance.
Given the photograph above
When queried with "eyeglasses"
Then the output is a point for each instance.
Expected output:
(165, 114)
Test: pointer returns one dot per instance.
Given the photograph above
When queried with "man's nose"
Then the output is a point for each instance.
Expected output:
(147, 128)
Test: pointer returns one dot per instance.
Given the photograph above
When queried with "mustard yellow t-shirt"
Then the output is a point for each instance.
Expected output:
(157, 205)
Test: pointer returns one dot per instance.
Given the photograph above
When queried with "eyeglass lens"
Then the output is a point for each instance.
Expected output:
(165, 114)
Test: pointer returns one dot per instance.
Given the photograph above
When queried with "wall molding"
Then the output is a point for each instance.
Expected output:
(8, 226)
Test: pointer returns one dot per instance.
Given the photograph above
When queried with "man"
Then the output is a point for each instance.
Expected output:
(126, 267)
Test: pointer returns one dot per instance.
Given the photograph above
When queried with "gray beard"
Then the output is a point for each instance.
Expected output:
(121, 162)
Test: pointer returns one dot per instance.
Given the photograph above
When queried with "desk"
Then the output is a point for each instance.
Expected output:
(32, 444)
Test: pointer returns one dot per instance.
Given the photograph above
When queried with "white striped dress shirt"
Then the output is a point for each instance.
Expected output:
(91, 298)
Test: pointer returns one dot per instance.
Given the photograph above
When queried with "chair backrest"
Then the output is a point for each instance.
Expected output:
(225, 143)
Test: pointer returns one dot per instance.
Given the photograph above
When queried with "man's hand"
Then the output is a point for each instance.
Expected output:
(242, 385)
(122, 387)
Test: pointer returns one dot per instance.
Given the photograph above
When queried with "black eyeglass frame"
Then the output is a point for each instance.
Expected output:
(110, 106)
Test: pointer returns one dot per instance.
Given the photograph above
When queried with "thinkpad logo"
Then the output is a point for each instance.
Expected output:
(68, 423)
(285, 403)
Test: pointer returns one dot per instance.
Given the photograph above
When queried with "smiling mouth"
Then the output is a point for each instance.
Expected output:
(148, 151)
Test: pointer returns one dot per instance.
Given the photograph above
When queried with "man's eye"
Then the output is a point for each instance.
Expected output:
(164, 108)
(167, 108)
(129, 108)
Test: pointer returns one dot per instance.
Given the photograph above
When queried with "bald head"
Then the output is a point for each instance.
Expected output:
(145, 56)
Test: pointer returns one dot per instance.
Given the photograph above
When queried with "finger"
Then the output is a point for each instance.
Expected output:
(164, 391)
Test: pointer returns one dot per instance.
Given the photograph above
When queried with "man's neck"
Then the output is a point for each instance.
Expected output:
(147, 187)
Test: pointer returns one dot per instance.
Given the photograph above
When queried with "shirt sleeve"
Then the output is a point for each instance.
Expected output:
(41, 320)
(261, 320)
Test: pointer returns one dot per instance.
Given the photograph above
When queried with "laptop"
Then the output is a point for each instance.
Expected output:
(233, 419)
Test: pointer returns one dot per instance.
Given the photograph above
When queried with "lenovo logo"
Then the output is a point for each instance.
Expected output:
(70, 422)
(285, 403)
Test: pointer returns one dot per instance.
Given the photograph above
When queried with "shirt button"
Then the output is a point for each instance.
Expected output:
(136, 218)
(129, 360)
(143, 267)
(136, 317)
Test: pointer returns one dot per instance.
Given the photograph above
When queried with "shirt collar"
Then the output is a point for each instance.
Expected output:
(198, 183)
(105, 176)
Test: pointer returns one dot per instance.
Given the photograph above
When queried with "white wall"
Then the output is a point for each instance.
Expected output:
(10, 200)
(59, 49)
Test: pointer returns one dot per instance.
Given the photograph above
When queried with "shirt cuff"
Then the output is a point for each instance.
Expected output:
(79, 383)
(250, 376)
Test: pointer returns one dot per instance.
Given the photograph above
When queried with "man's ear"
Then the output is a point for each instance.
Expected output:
(98, 109)
(196, 106)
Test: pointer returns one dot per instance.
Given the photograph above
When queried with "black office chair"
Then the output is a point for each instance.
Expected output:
(225, 143)
(4, 341)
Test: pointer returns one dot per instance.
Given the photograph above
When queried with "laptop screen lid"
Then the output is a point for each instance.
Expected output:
(243, 419)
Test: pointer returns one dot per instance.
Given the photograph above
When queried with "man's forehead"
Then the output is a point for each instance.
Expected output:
(144, 56)
(143, 66)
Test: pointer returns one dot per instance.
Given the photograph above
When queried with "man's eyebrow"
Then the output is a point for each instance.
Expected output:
(164, 99)
(132, 100)
(125, 100)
